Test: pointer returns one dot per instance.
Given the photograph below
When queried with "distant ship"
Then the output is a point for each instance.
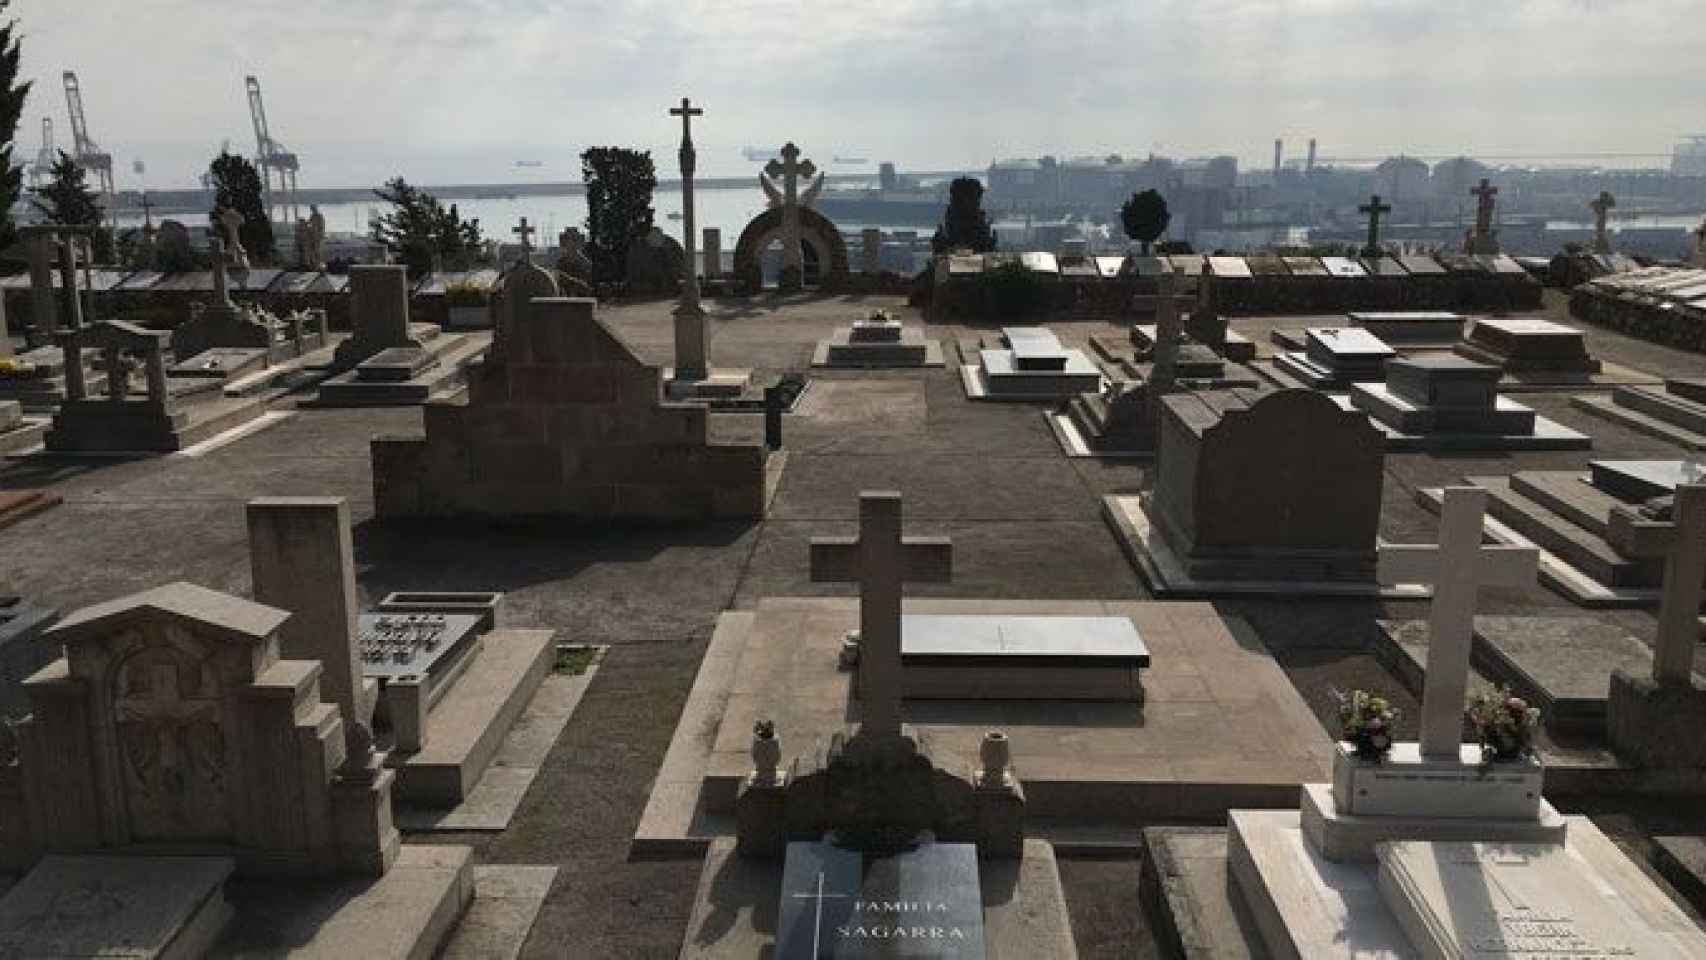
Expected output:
(757, 153)
(530, 163)
(673, 215)
(851, 160)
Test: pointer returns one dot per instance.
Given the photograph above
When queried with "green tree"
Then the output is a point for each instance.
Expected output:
(1145, 217)
(619, 185)
(12, 96)
(67, 199)
(419, 226)
(964, 224)
(237, 185)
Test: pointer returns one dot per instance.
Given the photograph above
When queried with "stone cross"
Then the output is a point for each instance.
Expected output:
(1165, 370)
(1374, 208)
(1684, 550)
(232, 221)
(525, 231)
(880, 560)
(38, 244)
(788, 172)
(1483, 195)
(1601, 206)
(1457, 568)
(690, 353)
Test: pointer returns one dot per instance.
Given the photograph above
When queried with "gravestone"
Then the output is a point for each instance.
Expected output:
(379, 312)
(922, 902)
(1528, 345)
(568, 421)
(524, 283)
(1483, 239)
(116, 422)
(173, 720)
(1281, 485)
(1443, 395)
(1335, 357)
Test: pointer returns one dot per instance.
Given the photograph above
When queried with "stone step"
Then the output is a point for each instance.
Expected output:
(1089, 412)
(466, 727)
(1608, 409)
(1688, 388)
(1578, 547)
(1673, 409)
(1568, 494)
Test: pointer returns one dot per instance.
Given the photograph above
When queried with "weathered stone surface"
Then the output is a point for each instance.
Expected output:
(379, 312)
(1656, 725)
(136, 908)
(1526, 344)
(568, 422)
(1227, 457)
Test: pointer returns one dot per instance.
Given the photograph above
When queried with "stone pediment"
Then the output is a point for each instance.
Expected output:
(211, 613)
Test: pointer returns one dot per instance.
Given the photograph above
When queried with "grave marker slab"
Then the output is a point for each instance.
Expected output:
(924, 902)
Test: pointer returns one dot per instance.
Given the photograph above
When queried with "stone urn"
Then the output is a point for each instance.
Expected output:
(995, 755)
(766, 752)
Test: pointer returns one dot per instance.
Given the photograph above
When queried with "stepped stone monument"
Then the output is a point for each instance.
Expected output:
(380, 310)
(566, 420)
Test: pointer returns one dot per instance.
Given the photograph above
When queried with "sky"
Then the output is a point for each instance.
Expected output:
(457, 92)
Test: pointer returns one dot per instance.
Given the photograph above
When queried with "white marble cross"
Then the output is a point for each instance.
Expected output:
(881, 561)
(1457, 568)
(1684, 551)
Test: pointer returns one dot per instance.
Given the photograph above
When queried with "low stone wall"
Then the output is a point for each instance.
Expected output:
(971, 299)
(1651, 319)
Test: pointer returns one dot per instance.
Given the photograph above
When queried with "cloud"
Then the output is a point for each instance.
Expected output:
(441, 90)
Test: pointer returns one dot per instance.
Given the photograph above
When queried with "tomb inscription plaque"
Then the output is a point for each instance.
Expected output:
(923, 902)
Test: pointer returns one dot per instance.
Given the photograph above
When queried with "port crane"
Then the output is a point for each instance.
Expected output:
(42, 170)
(273, 157)
(85, 150)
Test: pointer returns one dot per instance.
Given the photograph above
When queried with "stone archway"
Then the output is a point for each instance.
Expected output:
(817, 232)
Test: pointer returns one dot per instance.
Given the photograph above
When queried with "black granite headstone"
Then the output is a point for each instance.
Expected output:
(923, 902)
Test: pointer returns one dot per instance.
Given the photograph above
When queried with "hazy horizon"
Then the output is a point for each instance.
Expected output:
(444, 92)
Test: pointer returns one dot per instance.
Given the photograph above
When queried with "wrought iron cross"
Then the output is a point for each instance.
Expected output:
(1374, 208)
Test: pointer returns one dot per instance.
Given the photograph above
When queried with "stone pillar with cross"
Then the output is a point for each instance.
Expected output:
(1375, 209)
(38, 245)
(690, 353)
(788, 171)
(1657, 722)
(525, 231)
(881, 561)
(1458, 567)
(1483, 240)
(1601, 207)
(1164, 374)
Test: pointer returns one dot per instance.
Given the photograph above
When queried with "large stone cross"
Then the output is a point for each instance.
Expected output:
(1374, 208)
(1601, 206)
(525, 231)
(1484, 195)
(1683, 548)
(1165, 372)
(691, 362)
(881, 560)
(788, 172)
(1457, 568)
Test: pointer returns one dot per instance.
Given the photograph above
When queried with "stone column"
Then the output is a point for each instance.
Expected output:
(68, 282)
(1679, 606)
(39, 243)
(713, 253)
(873, 250)
(154, 366)
(302, 560)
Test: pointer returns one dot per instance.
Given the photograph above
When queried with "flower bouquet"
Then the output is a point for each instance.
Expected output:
(1504, 725)
(1365, 722)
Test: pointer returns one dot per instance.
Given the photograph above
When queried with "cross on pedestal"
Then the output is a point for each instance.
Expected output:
(1683, 548)
(1457, 568)
(525, 231)
(221, 282)
(1164, 374)
(880, 560)
(1601, 207)
(1484, 195)
(1374, 208)
(691, 362)
(788, 172)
